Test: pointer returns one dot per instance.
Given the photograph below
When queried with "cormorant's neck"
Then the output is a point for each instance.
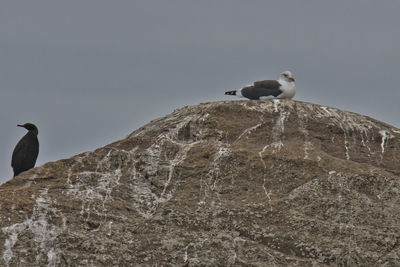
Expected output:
(34, 131)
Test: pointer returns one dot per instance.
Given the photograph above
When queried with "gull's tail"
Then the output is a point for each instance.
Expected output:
(231, 92)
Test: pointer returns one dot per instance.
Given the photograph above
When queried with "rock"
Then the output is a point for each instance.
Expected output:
(234, 183)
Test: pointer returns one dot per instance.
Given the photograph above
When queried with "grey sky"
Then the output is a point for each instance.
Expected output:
(89, 72)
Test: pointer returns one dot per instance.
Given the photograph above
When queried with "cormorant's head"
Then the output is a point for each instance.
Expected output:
(29, 127)
(287, 76)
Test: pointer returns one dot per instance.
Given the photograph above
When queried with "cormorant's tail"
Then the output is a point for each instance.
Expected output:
(231, 92)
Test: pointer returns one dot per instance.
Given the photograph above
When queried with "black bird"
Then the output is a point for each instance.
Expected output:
(26, 151)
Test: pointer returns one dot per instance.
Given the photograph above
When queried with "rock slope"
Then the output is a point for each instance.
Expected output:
(235, 183)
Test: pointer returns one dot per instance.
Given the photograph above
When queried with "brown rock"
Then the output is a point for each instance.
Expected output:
(235, 183)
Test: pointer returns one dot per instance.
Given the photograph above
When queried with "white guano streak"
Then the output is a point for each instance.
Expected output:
(44, 233)
(385, 138)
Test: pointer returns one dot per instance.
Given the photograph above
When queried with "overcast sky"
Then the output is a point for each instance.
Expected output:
(88, 72)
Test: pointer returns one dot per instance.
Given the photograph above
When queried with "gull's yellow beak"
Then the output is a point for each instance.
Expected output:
(292, 79)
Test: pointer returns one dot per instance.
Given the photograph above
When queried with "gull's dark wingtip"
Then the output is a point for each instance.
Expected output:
(231, 92)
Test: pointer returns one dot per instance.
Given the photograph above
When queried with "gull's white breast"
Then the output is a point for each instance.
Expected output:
(288, 88)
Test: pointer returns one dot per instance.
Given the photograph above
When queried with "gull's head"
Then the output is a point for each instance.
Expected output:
(287, 76)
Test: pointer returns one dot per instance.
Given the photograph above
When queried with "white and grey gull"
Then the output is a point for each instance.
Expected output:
(282, 88)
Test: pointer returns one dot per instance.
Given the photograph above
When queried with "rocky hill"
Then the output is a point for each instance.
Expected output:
(235, 183)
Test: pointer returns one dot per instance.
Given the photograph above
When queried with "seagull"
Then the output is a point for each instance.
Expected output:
(282, 88)
(26, 151)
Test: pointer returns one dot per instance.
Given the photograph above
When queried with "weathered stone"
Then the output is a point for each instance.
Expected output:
(235, 183)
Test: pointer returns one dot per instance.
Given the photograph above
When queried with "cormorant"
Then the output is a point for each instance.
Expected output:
(26, 151)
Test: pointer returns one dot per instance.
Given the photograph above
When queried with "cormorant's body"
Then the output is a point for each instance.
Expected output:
(26, 151)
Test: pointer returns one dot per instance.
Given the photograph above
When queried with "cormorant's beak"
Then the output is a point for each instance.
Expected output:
(292, 79)
(19, 125)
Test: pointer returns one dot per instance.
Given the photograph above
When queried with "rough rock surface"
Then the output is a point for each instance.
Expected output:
(238, 183)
